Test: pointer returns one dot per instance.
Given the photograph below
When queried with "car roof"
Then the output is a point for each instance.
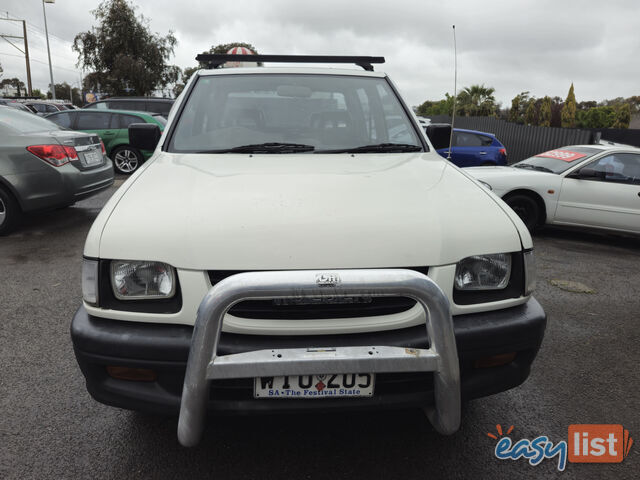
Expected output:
(137, 99)
(291, 70)
(473, 131)
(109, 110)
(614, 147)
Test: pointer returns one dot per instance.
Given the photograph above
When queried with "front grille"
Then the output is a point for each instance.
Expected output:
(314, 308)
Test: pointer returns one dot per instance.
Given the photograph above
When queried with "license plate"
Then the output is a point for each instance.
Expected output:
(92, 157)
(315, 386)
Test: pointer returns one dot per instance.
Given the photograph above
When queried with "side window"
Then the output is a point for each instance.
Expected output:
(485, 141)
(123, 121)
(466, 139)
(62, 119)
(619, 167)
(51, 109)
(120, 105)
(40, 107)
(93, 121)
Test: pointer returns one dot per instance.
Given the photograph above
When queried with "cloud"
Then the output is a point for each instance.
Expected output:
(536, 45)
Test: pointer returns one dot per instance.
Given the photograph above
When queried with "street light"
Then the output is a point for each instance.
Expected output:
(46, 32)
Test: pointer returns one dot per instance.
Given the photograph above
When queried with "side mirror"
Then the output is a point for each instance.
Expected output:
(144, 136)
(439, 135)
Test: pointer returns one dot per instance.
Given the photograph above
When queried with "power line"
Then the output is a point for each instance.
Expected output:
(34, 26)
(41, 61)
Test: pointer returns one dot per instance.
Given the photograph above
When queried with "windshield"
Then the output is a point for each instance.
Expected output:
(558, 160)
(22, 122)
(281, 113)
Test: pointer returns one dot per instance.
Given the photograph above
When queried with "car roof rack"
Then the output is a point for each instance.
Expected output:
(216, 60)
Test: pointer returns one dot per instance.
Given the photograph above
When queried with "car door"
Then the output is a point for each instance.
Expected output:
(610, 201)
(122, 121)
(469, 149)
(97, 122)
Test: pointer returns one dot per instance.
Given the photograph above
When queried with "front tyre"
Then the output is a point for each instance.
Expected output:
(9, 212)
(126, 159)
(526, 208)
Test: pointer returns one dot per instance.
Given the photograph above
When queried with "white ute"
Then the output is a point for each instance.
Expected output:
(328, 257)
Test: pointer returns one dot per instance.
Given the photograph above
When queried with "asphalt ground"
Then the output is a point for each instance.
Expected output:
(586, 372)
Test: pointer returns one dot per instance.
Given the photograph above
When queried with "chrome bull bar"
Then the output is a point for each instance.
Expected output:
(205, 364)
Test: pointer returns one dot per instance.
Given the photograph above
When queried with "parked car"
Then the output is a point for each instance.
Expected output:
(276, 195)
(111, 126)
(141, 104)
(471, 148)
(44, 166)
(44, 108)
(14, 104)
(595, 186)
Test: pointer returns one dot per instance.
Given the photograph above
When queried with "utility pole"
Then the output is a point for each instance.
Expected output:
(26, 47)
(26, 56)
(46, 33)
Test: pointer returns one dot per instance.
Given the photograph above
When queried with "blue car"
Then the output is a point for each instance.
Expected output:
(471, 148)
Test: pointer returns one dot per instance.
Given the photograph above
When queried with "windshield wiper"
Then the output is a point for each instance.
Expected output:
(533, 167)
(272, 147)
(380, 147)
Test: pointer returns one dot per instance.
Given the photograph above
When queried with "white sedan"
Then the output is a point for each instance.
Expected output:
(595, 186)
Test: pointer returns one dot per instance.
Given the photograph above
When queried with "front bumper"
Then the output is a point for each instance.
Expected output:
(100, 342)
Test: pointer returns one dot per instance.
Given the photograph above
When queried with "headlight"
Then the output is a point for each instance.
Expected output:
(530, 272)
(132, 280)
(90, 281)
(483, 272)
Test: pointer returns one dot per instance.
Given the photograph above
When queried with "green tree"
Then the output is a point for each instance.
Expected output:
(438, 107)
(15, 83)
(569, 110)
(125, 56)
(519, 105)
(531, 114)
(477, 100)
(623, 116)
(545, 112)
(64, 92)
(598, 117)
(36, 92)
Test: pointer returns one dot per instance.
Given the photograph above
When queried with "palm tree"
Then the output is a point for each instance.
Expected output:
(477, 100)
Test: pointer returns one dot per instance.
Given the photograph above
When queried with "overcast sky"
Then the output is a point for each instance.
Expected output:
(512, 45)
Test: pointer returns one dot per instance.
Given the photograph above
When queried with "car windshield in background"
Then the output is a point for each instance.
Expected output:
(23, 122)
(293, 113)
(558, 160)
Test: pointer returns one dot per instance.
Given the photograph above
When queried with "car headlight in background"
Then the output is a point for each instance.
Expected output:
(90, 281)
(483, 272)
(135, 280)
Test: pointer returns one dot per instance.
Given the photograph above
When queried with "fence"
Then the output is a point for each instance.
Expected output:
(522, 141)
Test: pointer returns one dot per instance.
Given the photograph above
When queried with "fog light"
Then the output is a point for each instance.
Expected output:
(132, 374)
(495, 360)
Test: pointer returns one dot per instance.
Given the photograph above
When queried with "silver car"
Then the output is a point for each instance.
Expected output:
(44, 166)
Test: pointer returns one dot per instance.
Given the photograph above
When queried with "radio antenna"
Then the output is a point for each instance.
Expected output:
(455, 90)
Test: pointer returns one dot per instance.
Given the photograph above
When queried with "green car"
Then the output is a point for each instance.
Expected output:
(112, 128)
